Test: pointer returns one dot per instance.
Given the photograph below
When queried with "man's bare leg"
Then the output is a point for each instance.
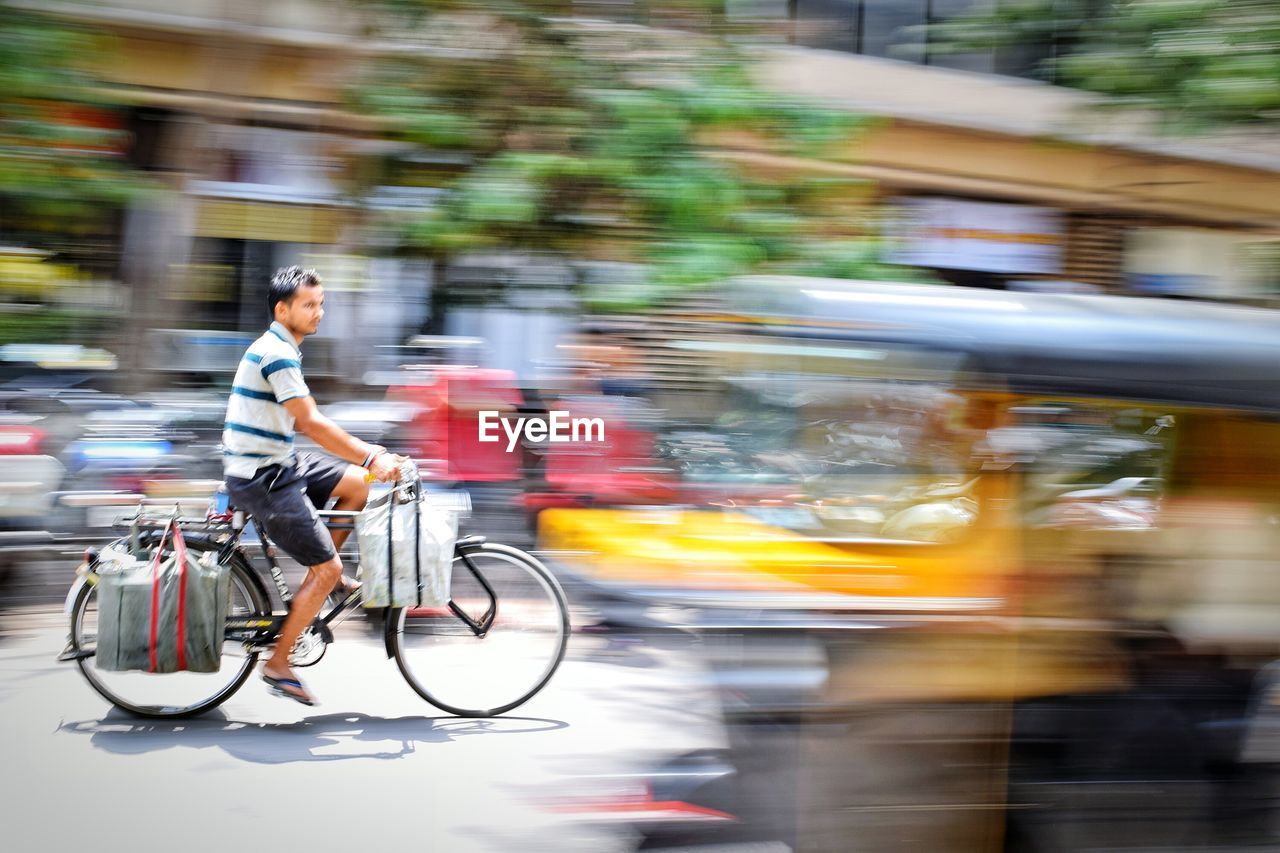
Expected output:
(352, 493)
(306, 605)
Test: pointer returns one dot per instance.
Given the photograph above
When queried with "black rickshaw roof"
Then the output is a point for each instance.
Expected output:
(1148, 349)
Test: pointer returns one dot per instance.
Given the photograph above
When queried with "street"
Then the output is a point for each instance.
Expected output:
(372, 764)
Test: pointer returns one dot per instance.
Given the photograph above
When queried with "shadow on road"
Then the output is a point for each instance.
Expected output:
(327, 737)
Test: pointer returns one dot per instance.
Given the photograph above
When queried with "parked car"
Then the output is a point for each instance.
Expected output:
(28, 478)
(160, 446)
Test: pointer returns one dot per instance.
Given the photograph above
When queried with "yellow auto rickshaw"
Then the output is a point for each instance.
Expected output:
(1026, 546)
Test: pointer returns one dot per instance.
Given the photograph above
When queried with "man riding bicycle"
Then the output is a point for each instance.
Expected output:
(283, 488)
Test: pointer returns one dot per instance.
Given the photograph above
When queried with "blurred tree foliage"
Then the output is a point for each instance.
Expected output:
(56, 325)
(64, 178)
(61, 168)
(1200, 63)
(590, 138)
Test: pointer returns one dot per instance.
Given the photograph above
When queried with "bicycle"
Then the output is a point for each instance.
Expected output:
(497, 643)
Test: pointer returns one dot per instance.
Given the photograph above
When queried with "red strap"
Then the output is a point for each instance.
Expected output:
(180, 552)
(155, 594)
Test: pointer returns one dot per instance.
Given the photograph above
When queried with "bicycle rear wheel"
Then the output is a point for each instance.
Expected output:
(177, 694)
(451, 667)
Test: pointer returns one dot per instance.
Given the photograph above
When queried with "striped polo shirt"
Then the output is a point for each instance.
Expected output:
(259, 429)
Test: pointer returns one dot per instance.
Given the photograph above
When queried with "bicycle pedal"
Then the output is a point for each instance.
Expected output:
(70, 654)
(322, 629)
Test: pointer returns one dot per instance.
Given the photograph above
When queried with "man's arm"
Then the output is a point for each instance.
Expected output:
(333, 438)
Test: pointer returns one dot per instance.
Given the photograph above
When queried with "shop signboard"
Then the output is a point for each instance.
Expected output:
(970, 235)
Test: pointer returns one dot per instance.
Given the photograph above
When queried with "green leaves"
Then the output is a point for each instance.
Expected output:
(59, 152)
(585, 138)
(859, 259)
(707, 258)
(1198, 63)
(500, 196)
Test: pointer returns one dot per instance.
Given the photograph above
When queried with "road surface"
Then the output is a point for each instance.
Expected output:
(372, 766)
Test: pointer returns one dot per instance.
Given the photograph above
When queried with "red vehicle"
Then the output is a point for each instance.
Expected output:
(445, 429)
(620, 470)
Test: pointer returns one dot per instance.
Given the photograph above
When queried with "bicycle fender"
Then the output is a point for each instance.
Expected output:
(388, 632)
(80, 581)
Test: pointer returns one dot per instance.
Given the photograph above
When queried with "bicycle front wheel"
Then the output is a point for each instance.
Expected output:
(177, 694)
(479, 675)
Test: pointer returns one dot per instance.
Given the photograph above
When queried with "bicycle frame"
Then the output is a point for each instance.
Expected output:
(263, 631)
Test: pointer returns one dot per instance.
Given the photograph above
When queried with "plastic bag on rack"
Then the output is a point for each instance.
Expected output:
(406, 553)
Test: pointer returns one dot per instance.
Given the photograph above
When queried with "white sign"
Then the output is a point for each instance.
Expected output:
(971, 235)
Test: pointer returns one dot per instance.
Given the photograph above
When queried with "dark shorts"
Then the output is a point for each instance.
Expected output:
(283, 500)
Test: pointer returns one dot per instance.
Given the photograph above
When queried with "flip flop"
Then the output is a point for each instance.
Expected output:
(343, 589)
(278, 686)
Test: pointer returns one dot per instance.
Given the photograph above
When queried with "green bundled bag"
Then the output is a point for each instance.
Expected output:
(165, 614)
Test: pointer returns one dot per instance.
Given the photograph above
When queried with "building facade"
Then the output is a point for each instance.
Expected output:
(983, 176)
(986, 166)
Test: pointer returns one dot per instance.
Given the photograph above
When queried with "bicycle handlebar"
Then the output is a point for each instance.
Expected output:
(409, 472)
(408, 482)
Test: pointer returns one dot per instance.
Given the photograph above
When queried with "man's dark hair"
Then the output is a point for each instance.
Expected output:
(285, 284)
